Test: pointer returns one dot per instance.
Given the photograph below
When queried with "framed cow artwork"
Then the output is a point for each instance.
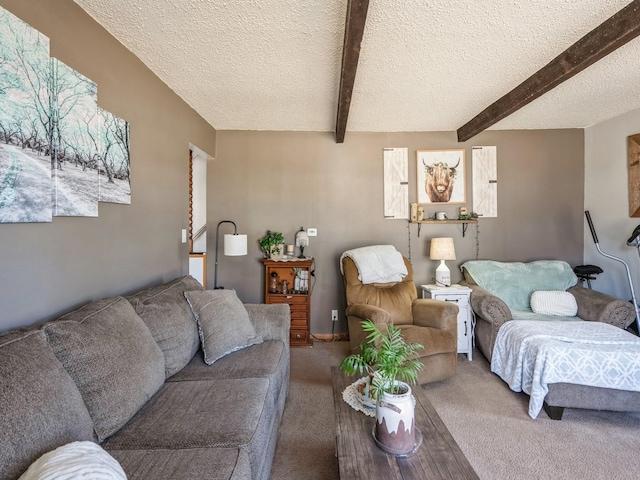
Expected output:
(441, 176)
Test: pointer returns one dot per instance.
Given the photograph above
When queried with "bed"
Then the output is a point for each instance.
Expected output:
(502, 293)
(529, 355)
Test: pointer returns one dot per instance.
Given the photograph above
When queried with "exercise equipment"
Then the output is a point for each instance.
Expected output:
(633, 241)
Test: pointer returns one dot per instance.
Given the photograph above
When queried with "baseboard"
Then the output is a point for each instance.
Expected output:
(330, 337)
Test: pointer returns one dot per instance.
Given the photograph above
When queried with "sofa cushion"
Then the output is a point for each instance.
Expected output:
(223, 323)
(112, 357)
(260, 360)
(265, 360)
(514, 282)
(168, 464)
(554, 303)
(168, 316)
(40, 405)
(75, 460)
(204, 414)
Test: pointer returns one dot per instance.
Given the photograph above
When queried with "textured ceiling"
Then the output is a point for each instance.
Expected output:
(425, 65)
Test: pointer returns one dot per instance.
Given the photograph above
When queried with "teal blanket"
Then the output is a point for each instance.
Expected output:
(514, 282)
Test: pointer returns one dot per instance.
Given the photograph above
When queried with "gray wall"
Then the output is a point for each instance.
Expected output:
(284, 180)
(47, 269)
(262, 180)
(607, 199)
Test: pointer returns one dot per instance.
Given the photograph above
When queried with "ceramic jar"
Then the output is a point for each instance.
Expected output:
(395, 425)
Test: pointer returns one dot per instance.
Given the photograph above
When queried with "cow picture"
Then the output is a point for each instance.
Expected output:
(440, 176)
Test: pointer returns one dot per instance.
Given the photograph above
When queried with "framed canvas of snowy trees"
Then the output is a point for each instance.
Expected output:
(60, 154)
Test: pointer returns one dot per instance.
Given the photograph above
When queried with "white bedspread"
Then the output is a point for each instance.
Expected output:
(530, 354)
(377, 263)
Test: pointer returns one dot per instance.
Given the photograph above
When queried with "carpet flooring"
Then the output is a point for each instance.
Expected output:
(488, 421)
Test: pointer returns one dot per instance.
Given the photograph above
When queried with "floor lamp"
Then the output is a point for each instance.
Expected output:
(442, 249)
(234, 245)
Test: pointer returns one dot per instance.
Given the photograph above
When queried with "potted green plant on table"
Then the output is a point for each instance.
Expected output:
(390, 361)
(272, 245)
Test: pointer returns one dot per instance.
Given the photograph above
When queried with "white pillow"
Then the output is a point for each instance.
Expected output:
(554, 302)
(75, 460)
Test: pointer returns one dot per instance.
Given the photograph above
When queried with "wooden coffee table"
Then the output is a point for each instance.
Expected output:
(438, 457)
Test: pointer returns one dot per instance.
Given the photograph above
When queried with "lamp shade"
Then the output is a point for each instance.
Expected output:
(442, 249)
(235, 245)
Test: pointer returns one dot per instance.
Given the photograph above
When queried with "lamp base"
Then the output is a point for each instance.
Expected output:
(443, 275)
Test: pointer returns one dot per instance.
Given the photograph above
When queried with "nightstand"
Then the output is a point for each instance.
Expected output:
(299, 299)
(460, 296)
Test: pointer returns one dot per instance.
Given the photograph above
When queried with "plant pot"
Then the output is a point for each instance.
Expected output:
(277, 252)
(395, 430)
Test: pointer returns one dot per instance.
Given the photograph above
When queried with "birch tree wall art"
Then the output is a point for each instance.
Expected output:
(75, 122)
(115, 186)
(60, 154)
(25, 123)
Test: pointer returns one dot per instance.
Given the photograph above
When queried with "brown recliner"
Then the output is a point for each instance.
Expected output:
(431, 323)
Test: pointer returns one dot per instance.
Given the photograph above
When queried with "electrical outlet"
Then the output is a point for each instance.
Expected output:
(312, 232)
(334, 315)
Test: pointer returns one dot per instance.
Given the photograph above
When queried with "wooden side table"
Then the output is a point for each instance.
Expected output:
(460, 296)
(297, 295)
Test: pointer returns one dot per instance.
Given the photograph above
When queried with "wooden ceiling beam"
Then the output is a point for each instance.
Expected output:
(353, 31)
(601, 41)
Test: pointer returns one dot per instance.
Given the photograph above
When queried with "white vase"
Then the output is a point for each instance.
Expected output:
(395, 430)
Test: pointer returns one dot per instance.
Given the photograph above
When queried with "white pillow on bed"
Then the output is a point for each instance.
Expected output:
(75, 460)
(554, 302)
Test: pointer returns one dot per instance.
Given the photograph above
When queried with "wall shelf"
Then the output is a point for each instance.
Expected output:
(465, 223)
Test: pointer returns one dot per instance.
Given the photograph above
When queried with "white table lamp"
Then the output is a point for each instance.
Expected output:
(302, 240)
(442, 249)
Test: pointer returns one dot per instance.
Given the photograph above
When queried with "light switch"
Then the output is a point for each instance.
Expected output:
(312, 232)
(184, 235)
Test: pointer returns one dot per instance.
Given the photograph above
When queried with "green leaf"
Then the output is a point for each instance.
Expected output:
(388, 355)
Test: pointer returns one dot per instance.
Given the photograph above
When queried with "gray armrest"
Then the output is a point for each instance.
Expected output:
(271, 321)
(369, 312)
(488, 307)
(599, 307)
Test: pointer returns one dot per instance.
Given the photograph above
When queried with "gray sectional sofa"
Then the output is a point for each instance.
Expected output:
(129, 374)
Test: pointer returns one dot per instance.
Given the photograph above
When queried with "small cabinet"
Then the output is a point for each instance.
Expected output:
(289, 281)
(460, 296)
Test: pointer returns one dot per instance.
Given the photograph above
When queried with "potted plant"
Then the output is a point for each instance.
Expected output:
(390, 362)
(272, 244)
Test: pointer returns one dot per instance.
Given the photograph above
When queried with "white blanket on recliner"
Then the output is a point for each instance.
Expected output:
(531, 354)
(377, 263)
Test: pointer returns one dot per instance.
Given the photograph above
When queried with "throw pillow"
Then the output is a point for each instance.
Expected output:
(223, 323)
(40, 406)
(164, 310)
(112, 357)
(554, 302)
(75, 460)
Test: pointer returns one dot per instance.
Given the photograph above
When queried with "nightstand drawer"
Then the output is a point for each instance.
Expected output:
(295, 314)
(290, 299)
(298, 307)
(298, 337)
(460, 300)
(299, 323)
